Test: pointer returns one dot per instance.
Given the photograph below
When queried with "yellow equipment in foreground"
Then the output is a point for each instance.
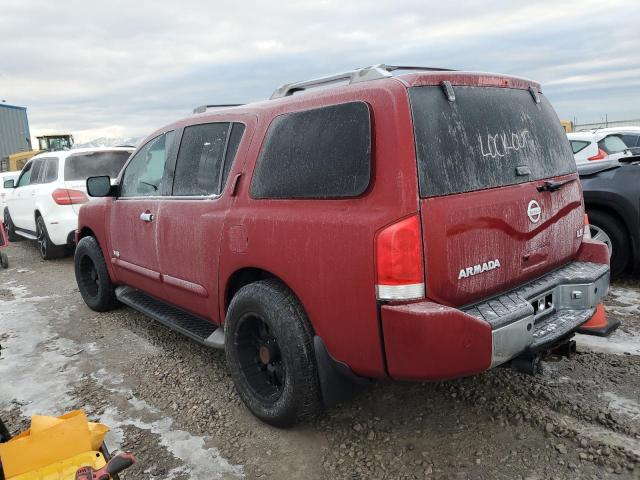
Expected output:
(54, 448)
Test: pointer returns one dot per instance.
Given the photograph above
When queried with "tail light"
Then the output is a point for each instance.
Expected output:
(601, 155)
(399, 262)
(65, 196)
(586, 232)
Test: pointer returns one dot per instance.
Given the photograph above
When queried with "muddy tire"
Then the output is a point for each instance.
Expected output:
(92, 276)
(48, 250)
(4, 260)
(612, 232)
(11, 229)
(269, 348)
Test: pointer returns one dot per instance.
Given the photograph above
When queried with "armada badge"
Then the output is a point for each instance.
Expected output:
(480, 268)
(534, 211)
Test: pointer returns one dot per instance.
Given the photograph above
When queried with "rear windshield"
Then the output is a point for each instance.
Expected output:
(612, 144)
(488, 137)
(84, 165)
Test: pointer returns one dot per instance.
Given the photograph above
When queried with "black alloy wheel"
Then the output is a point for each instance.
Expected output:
(260, 357)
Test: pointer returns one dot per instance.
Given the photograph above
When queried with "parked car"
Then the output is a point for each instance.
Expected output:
(612, 200)
(45, 199)
(422, 226)
(5, 176)
(630, 136)
(601, 144)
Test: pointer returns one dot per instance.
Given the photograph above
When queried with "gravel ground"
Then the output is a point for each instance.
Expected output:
(173, 402)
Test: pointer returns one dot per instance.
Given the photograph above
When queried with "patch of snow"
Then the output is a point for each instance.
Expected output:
(626, 406)
(35, 371)
(628, 298)
(618, 343)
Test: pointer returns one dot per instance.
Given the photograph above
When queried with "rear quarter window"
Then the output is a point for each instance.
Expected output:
(479, 140)
(319, 153)
(578, 145)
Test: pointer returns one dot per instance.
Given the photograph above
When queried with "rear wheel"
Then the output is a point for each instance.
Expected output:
(269, 348)
(606, 228)
(11, 229)
(48, 250)
(4, 260)
(92, 276)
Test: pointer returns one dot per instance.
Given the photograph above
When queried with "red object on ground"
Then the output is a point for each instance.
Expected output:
(599, 325)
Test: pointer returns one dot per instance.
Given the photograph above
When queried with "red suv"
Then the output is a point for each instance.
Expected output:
(366, 225)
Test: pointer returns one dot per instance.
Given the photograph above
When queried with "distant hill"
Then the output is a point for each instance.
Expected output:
(108, 142)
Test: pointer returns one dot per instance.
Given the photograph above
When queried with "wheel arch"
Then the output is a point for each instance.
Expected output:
(244, 276)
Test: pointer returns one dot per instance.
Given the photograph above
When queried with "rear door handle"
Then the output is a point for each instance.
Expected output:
(146, 217)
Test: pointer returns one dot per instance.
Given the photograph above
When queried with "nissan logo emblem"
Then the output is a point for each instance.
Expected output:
(534, 211)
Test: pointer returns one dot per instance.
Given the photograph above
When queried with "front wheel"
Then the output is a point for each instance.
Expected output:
(269, 348)
(92, 276)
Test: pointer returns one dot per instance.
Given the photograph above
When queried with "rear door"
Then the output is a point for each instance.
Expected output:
(191, 219)
(132, 224)
(481, 158)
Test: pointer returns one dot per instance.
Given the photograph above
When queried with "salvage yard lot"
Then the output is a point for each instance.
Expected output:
(172, 401)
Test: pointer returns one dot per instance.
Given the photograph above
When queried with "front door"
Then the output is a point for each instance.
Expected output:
(192, 218)
(22, 201)
(133, 222)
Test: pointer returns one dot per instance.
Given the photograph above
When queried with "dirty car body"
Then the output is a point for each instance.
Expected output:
(416, 220)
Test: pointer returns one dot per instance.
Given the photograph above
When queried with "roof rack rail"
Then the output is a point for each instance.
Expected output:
(357, 75)
(204, 108)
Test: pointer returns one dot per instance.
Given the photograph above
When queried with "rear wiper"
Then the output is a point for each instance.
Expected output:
(550, 186)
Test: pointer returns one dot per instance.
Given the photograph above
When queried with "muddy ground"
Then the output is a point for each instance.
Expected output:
(173, 402)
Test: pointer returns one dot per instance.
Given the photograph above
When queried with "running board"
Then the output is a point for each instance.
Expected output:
(201, 330)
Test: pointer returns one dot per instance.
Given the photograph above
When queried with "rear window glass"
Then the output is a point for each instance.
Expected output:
(319, 153)
(578, 145)
(479, 140)
(81, 166)
(612, 144)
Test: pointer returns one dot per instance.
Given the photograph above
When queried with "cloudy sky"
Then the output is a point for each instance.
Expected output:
(125, 68)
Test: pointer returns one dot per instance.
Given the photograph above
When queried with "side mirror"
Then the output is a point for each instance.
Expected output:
(10, 183)
(99, 186)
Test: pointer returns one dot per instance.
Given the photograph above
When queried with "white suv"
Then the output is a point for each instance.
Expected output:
(47, 197)
(599, 144)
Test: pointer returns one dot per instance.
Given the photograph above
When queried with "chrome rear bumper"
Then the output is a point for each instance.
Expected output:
(537, 315)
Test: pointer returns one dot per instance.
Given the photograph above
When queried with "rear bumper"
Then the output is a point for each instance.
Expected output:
(61, 225)
(428, 341)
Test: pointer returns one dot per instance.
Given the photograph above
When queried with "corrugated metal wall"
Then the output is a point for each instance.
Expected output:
(14, 130)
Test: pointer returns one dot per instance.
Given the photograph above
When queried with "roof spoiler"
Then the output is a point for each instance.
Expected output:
(357, 75)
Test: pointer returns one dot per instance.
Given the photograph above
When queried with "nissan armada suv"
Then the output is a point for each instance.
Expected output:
(366, 225)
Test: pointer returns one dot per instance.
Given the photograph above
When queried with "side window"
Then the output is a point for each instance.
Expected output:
(205, 157)
(319, 153)
(199, 162)
(630, 140)
(36, 171)
(50, 170)
(578, 145)
(143, 176)
(25, 176)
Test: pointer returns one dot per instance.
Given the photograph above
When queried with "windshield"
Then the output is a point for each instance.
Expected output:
(488, 137)
(84, 165)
